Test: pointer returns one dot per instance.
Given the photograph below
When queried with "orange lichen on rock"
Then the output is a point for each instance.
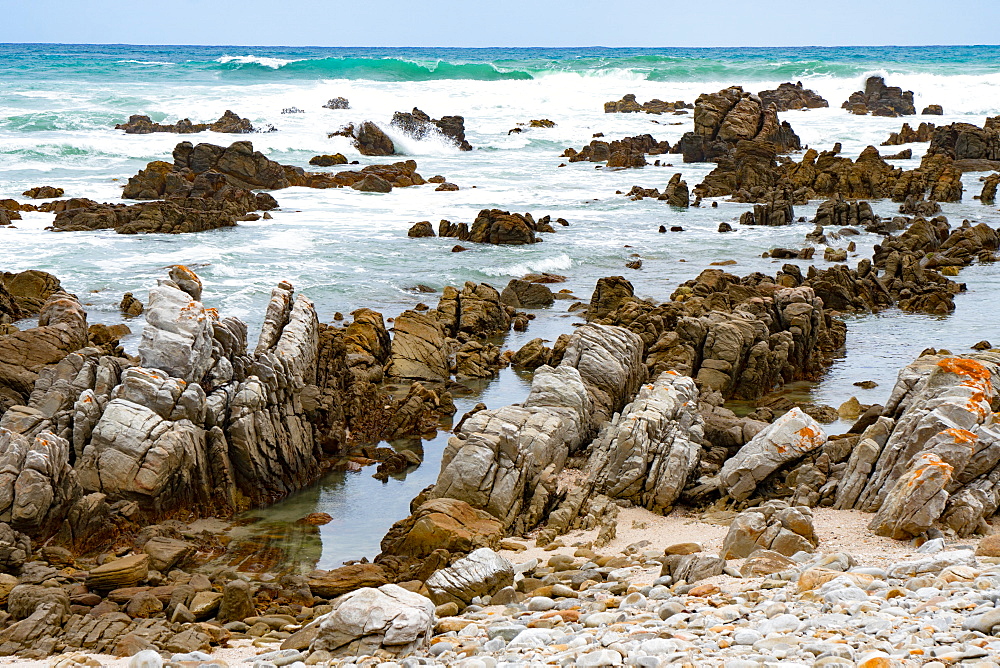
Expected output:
(962, 366)
(961, 435)
(929, 462)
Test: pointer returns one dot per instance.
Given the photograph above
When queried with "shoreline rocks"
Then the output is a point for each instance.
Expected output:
(880, 100)
(228, 123)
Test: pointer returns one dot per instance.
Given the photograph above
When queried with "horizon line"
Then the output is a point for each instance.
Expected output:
(594, 46)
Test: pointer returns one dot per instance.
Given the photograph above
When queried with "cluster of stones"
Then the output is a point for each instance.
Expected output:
(675, 193)
(627, 152)
(228, 123)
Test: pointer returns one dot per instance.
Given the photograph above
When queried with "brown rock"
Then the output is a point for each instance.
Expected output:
(328, 584)
(123, 572)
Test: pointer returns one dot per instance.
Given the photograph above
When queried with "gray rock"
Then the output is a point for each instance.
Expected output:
(482, 573)
(389, 619)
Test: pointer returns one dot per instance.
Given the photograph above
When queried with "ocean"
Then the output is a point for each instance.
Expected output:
(345, 249)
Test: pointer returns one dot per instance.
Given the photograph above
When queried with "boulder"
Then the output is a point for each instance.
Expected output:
(124, 572)
(419, 125)
(165, 553)
(482, 573)
(446, 524)
(773, 526)
(418, 349)
(789, 96)
(522, 294)
(787, 439)
(178, 334)
(880, 100)
(330, 584)
(388, 619)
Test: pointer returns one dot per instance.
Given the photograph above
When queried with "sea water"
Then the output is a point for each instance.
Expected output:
(346, 249)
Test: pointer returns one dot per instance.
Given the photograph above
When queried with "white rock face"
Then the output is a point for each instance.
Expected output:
(789, 437)
(482, 573)
(178, 334)
(388, 618)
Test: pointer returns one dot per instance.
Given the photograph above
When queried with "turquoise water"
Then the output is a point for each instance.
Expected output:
(345, 249)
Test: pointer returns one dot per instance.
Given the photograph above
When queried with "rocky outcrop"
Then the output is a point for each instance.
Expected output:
(62, 329)
(504, 461)
(482, 573)
(368, 138)
(934, 455)
(880, 100)
(989, 192)
(840, 212)
(419, 125)
(628, 105)
(26, 292)
(972, 147)
(647, 454)
(774, 213)
(388, 620)
(228, 123)
(328, 160)
(493, 226)
(723, 119)
(441, 524)
(524, 294)
(752, 175)
(419, 351)
(337, 103)
(627, 152)
(675, 193)
(789, 96)
(908, 135)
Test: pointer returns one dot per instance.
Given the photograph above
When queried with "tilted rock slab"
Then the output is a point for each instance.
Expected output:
(789, 438)
(482, 573)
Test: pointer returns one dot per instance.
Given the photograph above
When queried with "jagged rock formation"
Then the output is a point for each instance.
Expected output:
(989, 192)
(418, 125)
(752, 175)
(627, 152)
(368, 138)
(723, 119)
(907, 135)
(337, 103)
(505, 461)
(62, 329)
(229, 123)
(24, 293)
(647, 454)
(840, 212)
(880, 100)
(973, 148)
(493, 226)
(628, 105)
(789, 96)
(775, 213)
(934, 454)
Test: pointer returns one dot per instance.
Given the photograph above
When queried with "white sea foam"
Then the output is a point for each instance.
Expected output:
(266, 61)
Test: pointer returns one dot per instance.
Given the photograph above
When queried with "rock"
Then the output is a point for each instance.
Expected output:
(15, 549)
(328, 160)
(494, 226)
(880, 100)
(237, 602)
(389, 619)
(330, 584)
(227, 123)
(372, 183)
(165, 553)
(907, 135)
(446, 524)
(25, 599)
(124, 572)
(628, 105)
(418, 348)
(621, 153)
(43, 192)
(368, 139)
(989, 546)
(789, 438)
(766, 562)
(723, 119)
(482, 573)
(933, 110)
(143, 605)
(29, 290)
(522, 294)
(419, 125)
(691, 567)
(147, 658)
(178, 334)
(770, 527)
(204, 604)
(421, 229)
(789, 96)
(337, 103)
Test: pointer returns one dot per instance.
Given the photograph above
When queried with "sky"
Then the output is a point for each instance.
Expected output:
(639, 23)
